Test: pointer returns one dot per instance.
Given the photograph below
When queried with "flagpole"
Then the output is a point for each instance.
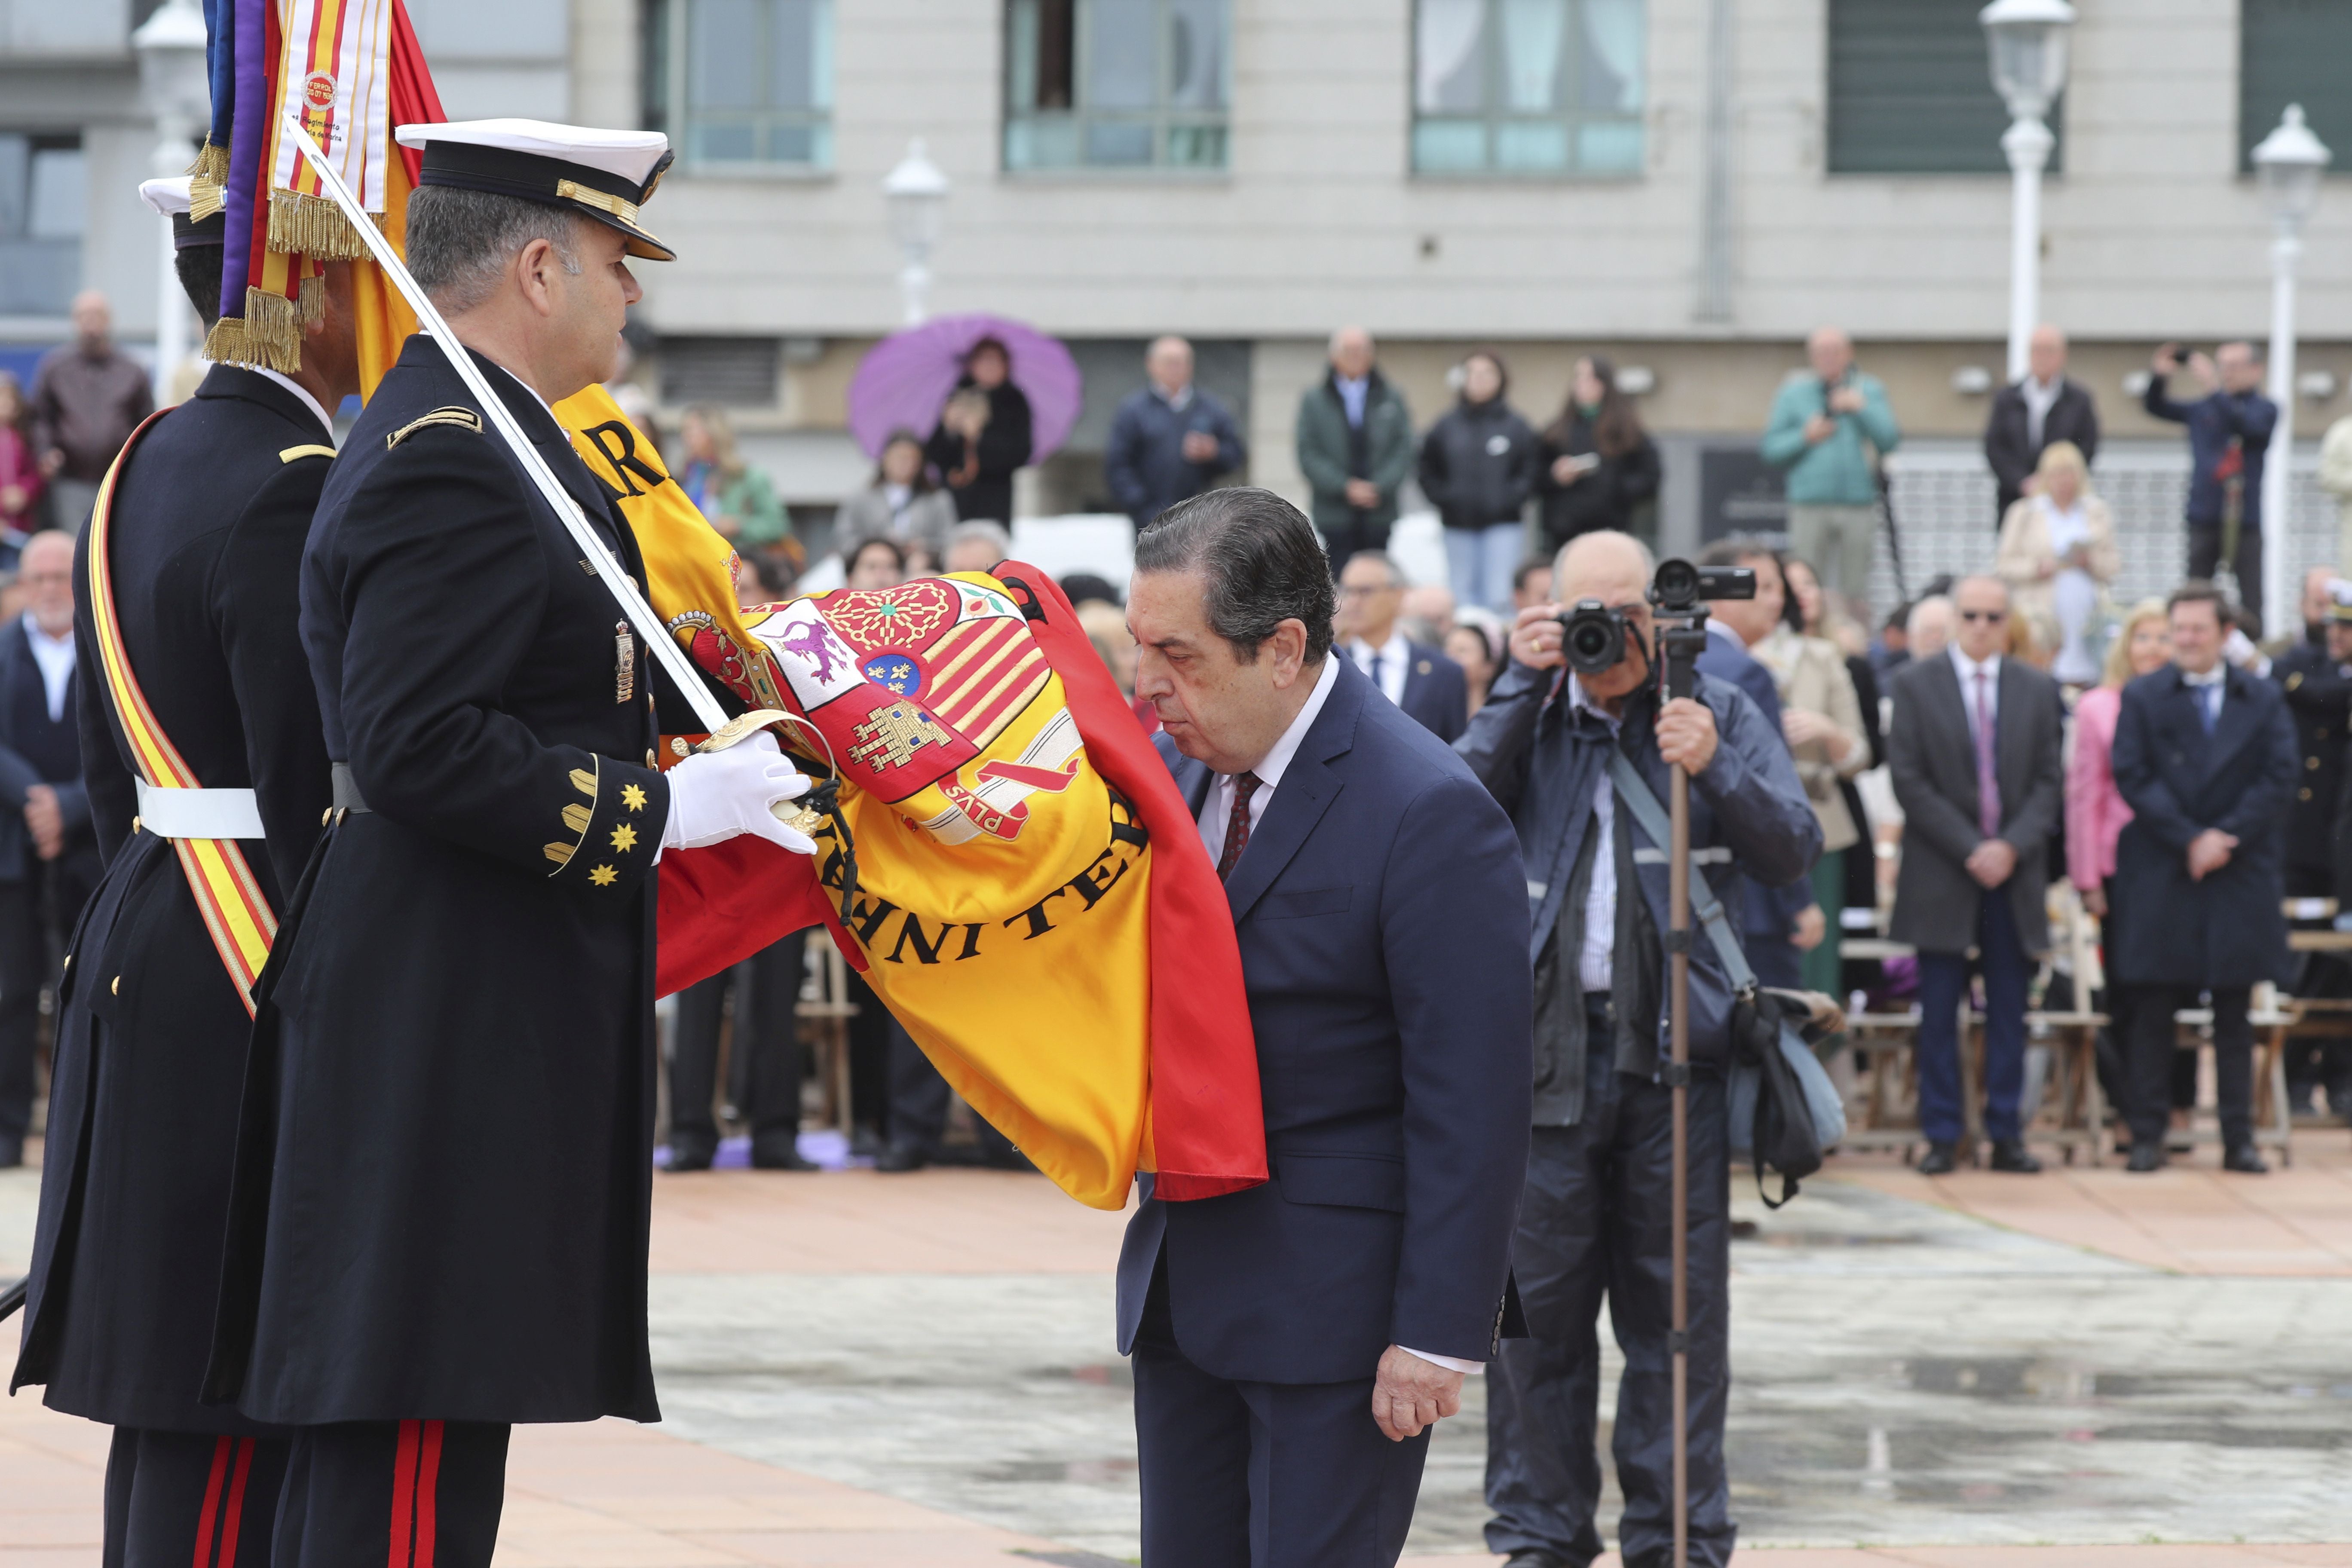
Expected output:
(664, 650)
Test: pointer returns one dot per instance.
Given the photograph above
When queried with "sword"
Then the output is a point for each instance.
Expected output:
(724, 732)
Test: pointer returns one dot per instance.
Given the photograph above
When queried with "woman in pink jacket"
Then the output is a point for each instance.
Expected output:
(2096, 812)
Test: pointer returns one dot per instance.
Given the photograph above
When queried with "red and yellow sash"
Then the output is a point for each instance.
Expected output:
(234, 910)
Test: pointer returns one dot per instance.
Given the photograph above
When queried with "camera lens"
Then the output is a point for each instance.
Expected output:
(1592, 638)
(1676, 583)
(1588, 642)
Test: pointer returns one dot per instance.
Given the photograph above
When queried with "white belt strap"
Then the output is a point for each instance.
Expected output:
(199, 813)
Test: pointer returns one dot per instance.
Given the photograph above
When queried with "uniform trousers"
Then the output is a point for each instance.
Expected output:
(2156, 1050)
(37, 913)
(1943, 984)
(1346, 539)
(409, 1494)
(767, 1052)
(177, 1497)
(1596, 1219)
(1270, 1475)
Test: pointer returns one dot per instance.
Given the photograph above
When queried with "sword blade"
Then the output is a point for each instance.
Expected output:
(641, 616)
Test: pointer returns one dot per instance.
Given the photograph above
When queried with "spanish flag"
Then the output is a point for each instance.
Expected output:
(1031, 899)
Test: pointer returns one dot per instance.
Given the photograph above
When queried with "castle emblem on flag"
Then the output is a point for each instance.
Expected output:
(890, 738)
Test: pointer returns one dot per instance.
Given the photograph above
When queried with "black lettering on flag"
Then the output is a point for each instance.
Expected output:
(621, 451)
(971, 943)
(925, 951)
(866, 918)
(1035, 915)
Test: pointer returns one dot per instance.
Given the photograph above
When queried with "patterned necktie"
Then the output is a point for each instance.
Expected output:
(1237, 825)
(1988, 782)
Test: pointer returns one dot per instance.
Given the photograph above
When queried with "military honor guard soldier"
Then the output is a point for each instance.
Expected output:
(208, 777)
(444, 1232)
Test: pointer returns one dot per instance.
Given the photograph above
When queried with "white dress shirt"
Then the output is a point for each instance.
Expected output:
(1593, 970)
(1394, 653)
(56, 658)
(1353, 393)
(2215, 680)
(1219, 808)
(1967, 669)
(298, 390)
(2040, 397)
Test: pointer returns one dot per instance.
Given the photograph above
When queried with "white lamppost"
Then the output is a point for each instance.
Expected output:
(171, 45)
(917, 193)
(2028, 42)
(2289, 160)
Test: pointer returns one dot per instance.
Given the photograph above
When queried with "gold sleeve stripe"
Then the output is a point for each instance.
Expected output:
(295, 454)
(584, 782)
(465, 418)
(560, 853)
(575, 818)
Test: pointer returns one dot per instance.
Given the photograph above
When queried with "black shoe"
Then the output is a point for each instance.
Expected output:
(2146, 1156)
(902, 1156)
(2009, 1154)
(690, 1154)
(1936, 1161)
(780, 1153)
(2243, 1159)
(865, 1142)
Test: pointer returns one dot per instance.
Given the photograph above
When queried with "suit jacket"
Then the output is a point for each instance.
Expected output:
(1932, 756)
(442, 1200)
(1437, 693)
(1380, 907)
(2008, 449)
(20, 672)
(2226, 929)
(208, 523)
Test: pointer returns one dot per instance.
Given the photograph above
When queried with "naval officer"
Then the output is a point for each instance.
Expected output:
(444, 1232)
(200, 552)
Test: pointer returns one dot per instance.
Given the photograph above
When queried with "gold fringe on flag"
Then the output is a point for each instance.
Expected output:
(228, 343)
(310, 302)
(207, 183)
(269, 335)
(312, 226)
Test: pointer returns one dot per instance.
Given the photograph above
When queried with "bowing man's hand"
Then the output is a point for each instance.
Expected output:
(1410, 1395)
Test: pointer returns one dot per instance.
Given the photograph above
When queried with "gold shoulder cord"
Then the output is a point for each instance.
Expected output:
(455, 413)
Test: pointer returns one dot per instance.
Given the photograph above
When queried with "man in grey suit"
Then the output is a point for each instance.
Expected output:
(1974, 751)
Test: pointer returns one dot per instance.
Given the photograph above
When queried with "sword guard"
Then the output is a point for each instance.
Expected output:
(740, 728)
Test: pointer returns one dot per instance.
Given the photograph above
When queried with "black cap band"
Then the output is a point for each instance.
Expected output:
(502, 171)
(186, 236)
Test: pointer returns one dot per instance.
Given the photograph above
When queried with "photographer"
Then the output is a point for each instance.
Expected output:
(2229, 435)
(1594, 1216)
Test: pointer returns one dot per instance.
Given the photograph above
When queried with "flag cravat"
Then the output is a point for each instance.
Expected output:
(1237, 825)
(1988, 781)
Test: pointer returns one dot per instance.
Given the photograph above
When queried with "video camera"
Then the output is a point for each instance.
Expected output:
(1594, 635)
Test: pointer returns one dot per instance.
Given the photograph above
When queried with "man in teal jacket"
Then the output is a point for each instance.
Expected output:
(1355, 446)
(1821, 418)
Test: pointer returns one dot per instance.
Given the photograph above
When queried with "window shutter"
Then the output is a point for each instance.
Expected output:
(1911, 93)
(2295, 51)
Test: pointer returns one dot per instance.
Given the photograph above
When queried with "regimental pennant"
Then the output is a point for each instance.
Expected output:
(982, 674)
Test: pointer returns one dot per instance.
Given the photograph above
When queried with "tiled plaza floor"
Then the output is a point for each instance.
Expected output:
(2071, 1371)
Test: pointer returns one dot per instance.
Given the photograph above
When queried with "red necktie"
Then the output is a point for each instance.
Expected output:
(1237, 825)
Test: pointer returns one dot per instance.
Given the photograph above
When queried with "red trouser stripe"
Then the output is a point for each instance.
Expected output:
(428, 1489)
(212, 1502)
(235, 1514)
(403, 1497)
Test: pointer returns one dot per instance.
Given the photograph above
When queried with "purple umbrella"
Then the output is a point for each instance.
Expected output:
(905, 380)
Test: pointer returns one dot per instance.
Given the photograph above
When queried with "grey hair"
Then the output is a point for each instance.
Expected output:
(1649, 560)
(980, 528)
(1259, 559)
(459, 241)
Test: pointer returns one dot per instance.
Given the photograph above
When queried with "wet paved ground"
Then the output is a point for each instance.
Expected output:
(920, 1371)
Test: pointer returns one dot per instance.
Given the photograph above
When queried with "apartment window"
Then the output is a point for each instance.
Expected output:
(2293, 51)
(42, 204)
(1911, 91)
(1527, 87)
(1116, 84)
(741, 84)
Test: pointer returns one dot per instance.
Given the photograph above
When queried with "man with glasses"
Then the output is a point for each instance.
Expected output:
(1974, 751)
(1417, 677)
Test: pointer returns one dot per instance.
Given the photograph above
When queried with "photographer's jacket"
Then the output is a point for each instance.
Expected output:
(1544, 761)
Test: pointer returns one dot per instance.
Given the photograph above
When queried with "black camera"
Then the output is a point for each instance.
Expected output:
(1592, 636)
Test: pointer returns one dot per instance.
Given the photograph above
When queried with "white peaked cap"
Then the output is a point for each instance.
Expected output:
(630, 154)
(165, 198)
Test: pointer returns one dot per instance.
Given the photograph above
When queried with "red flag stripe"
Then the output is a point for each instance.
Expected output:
(211, 1511)
(428, 1491)
(404, 1497)
(234, 1518)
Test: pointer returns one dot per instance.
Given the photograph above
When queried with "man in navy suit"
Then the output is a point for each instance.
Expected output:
(48, 851)
(1417, 677)
(1294, 1343)
(1594, 1220)
(2205, 756)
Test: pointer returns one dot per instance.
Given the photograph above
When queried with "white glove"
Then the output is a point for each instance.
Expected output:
(714, 795)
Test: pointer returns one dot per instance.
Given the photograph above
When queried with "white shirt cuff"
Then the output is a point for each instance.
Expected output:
(1450, 1362)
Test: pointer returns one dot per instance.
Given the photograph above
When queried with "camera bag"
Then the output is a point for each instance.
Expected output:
(1783, 1110)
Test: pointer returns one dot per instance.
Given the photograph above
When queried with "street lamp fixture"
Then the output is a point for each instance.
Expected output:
(172, 80)
(2288, 163)
(2027, 40)
(917, 194)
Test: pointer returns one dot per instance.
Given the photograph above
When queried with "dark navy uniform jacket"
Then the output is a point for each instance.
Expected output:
(2320, 699)
(1382, 922)
(445, 1182)
(210, 515)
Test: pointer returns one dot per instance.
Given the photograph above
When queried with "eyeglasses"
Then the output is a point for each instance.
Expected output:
(1992, 617)
(1358, 591)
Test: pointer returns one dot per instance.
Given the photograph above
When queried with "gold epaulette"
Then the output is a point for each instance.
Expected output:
(456, 414)
(295, 454)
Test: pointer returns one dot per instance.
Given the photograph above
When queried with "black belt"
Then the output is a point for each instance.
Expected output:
(1599, 1009)
(347, 789)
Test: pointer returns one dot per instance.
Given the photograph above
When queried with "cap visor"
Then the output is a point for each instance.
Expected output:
(641, 244)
